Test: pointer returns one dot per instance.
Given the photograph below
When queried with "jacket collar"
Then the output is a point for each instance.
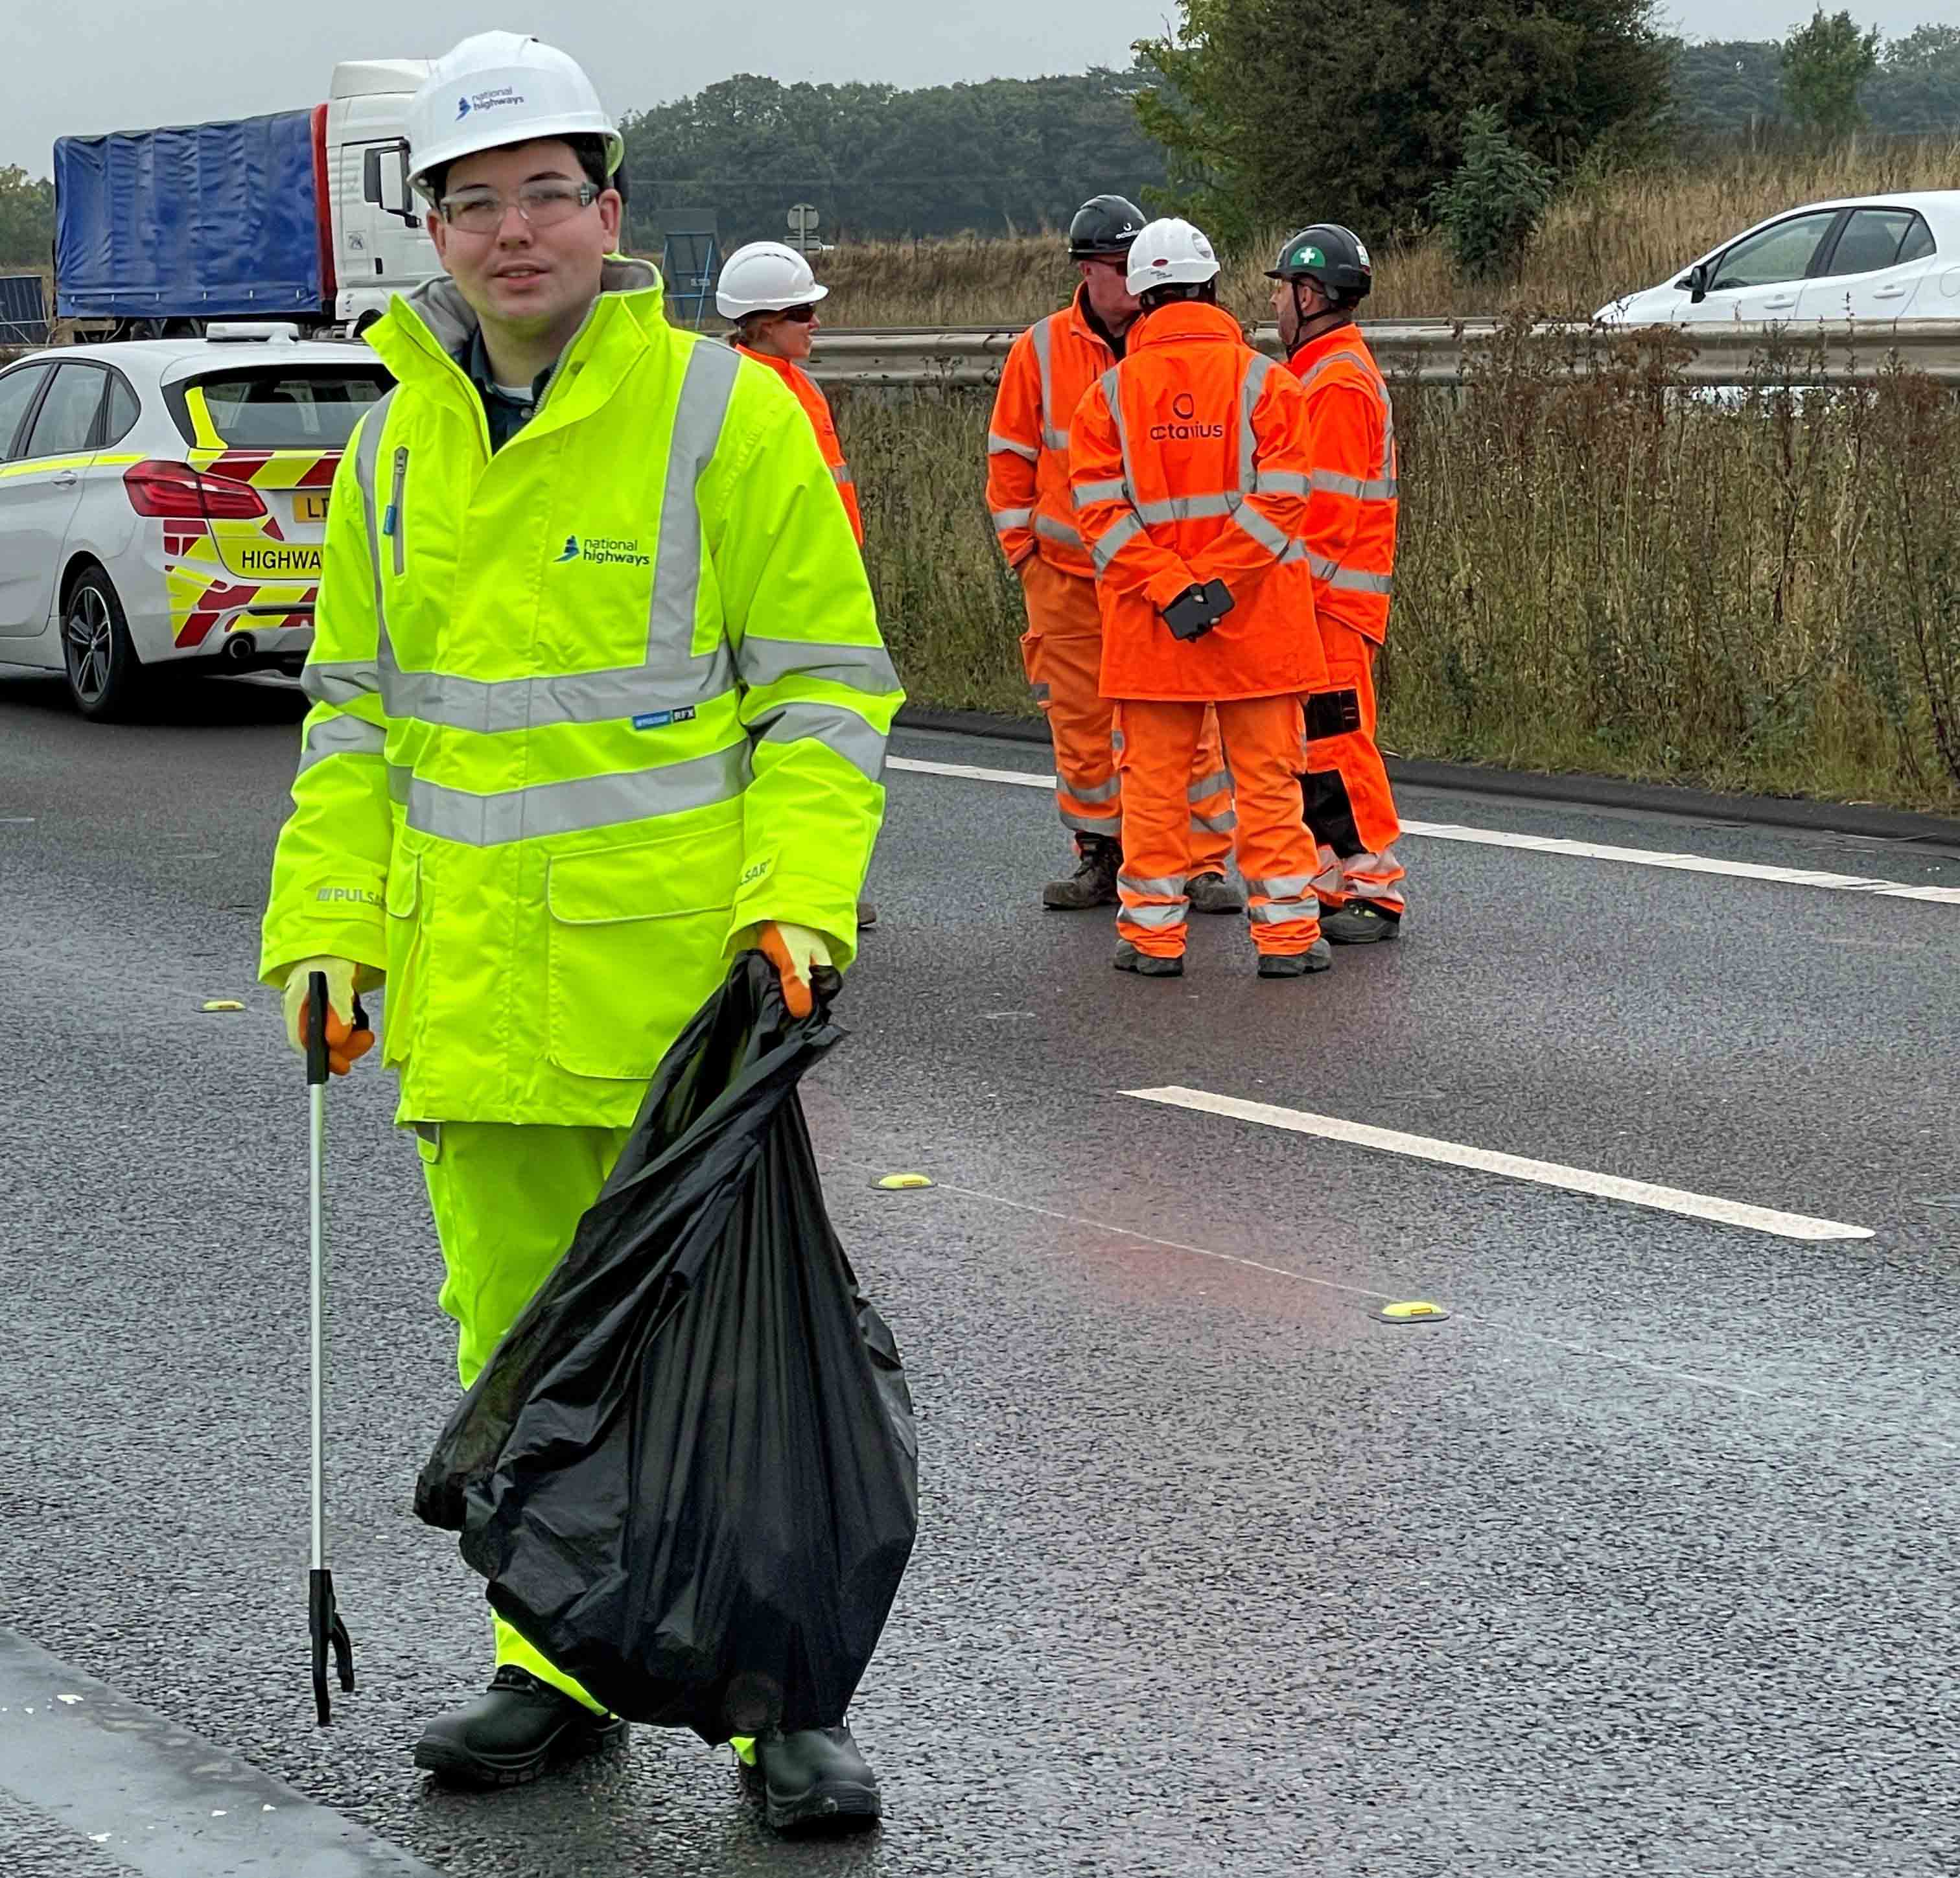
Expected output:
(784, 369)
(1088, 327)
(1344, 338)
(1183, 320)
(421, 338)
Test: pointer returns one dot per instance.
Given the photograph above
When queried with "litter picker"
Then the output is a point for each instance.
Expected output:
(321, 1612)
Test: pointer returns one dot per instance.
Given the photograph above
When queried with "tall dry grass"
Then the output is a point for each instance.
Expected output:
(1604, 236)
(1599, 575)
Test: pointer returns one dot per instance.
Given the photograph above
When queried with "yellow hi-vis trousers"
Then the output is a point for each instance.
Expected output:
(506, 1200)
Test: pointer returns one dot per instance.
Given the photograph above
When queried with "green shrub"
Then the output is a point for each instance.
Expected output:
(1490, 209)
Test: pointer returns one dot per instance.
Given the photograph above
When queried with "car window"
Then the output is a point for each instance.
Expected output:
(1780, 253)
(123, 411)
(289, 409)
(1919, 245)
(16, 392)
(1871, 240)
(67, 416)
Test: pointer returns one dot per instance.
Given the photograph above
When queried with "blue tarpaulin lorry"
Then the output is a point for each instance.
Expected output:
(304, 216)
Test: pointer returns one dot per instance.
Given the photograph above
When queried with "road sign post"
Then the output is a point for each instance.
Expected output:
(802, 220)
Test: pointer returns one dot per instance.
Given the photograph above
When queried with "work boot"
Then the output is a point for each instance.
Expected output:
(511, 1734)
(814, 1781)
(1213, 893)
(867, 914)
(1360, 922)
(1316, 958)
(1147, 965)
(1093, 883)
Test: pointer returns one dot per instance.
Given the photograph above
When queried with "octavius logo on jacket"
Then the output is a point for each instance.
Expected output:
(604, 551)
(1184, 429)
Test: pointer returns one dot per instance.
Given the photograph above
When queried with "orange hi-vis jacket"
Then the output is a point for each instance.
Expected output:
(1190, 462)
(1049, 367)
(1350, 520)
(816, 407)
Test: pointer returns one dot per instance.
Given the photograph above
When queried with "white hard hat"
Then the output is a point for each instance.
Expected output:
(498, 88)
(1170, 252)
(764, 277)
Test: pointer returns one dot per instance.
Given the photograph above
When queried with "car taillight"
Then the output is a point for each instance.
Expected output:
(176, 490)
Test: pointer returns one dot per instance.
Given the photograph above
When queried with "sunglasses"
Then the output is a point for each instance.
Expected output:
(803, 315)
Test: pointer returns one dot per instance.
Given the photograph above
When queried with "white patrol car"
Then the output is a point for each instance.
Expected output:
(162, 504)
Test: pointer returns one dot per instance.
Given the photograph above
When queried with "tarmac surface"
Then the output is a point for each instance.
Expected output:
(1642, 1560)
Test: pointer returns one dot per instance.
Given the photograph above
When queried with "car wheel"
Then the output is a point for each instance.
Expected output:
(105, 677)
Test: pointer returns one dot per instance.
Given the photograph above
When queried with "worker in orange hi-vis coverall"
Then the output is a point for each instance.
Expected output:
(1323, 273)
(1048, 369)
(1190, 468)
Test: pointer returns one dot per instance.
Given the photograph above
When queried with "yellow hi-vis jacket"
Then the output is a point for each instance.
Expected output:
(585, 711)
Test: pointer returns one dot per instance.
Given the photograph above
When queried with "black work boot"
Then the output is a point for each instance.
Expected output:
(511, 1734)
(1213, 893)
(814, 1781)
(1093, 883)
(1316, 958)
(1360, 922)
(1147, 965)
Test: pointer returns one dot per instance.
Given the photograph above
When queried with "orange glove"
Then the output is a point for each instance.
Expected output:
(797, 953)
(345, 1046)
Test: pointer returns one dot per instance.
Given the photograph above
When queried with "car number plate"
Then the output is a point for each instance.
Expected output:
(310, 505)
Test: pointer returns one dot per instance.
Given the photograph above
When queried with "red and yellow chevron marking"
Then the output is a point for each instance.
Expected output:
(269, 469)
(205, 594)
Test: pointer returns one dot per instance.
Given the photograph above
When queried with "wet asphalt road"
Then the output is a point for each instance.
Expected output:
(1643, 1561)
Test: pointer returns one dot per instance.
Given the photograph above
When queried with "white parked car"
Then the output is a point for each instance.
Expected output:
(162, 504)
(1876, 257)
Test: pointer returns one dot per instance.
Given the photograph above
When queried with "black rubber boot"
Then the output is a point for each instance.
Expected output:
(1213, 893)
(1360, 922)
(813, 1781)
(1316, 958)
(513, 1733)
(1093, 883)
(1147, 965)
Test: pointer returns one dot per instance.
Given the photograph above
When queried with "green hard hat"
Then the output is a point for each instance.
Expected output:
(1331, 256)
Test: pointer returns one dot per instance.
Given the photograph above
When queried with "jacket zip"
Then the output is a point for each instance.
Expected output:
(397, 523)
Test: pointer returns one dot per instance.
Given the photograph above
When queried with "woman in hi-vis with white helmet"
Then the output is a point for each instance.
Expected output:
(768, 291)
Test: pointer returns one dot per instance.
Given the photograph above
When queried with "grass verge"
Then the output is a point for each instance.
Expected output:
(1606, 574)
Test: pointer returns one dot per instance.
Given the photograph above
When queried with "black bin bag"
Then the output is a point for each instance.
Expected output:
(690, 1471)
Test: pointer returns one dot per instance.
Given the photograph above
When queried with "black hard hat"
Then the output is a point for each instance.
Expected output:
(1104, 225)
(1333, 257)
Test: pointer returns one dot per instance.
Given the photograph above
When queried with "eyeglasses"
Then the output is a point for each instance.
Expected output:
(1115, 263)
(803, 315)
(543, 204)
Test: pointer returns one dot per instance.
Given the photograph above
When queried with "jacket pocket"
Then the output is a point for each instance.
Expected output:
(636, 936)
(403, 902)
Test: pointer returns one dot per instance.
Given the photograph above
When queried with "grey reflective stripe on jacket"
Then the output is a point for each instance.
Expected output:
(861, 744)
(1055, 437)
(1228, 504)
(342, 736)
(577, 807)
(1054, 531)
(1382, 487)
(1000, 445)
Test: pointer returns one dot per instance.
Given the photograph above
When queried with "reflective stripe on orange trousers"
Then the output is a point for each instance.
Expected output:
(1062, 654)
(1265, 747)
(1349, 804)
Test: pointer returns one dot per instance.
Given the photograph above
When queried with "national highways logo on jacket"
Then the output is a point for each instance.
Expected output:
(605, 551)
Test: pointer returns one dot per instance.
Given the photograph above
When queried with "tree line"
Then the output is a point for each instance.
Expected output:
(1232, 113)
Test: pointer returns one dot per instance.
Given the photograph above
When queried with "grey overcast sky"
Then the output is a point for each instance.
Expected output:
(76, 66)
